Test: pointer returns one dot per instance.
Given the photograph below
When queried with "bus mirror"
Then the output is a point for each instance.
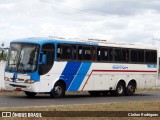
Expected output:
(44, 59)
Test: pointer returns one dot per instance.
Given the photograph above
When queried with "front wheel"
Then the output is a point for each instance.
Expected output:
(58, 91)
(30, 94)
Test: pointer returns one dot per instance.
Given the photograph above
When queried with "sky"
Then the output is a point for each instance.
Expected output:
(131, 21)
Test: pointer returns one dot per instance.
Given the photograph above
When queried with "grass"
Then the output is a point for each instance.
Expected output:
(127, 106)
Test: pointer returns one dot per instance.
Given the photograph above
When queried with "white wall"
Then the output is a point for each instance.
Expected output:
(2, 65)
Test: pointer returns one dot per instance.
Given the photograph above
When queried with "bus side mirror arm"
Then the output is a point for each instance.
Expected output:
(44, 58)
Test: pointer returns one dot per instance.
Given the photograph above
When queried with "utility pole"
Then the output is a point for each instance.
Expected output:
(155, 40)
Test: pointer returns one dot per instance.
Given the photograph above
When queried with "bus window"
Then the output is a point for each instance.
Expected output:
(105, 54)
(110, 53)
(151, 56)
(134, 55)
(98, 54)
(66, 52)
(125, 55)
(140, 56)
(86, 53)
(137, 56)
(74, 53)
(79, 52)
(59, 52)
(117, 54)
(93, 57)
(154, 56)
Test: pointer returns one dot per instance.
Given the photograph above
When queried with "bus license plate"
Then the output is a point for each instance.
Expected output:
(18, 89)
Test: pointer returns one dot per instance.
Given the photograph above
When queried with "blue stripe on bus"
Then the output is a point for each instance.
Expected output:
(69, 72)
(35, 76)
(14, 77)
(80, 76)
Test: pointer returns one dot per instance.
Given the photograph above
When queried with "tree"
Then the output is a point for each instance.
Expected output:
(3, 54)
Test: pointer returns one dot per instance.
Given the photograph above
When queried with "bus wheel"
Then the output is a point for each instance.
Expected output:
(30, 94)
(119, 89)
(130, 90)
(58, 91)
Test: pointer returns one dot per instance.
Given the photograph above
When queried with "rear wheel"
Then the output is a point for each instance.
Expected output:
(58, 90)
(130, 90)
(120, 89)
(30, 94)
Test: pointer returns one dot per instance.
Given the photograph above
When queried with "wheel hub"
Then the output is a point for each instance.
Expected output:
(120, 89)
(58, 90)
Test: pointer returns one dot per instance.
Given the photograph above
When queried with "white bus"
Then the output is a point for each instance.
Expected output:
(54, 66)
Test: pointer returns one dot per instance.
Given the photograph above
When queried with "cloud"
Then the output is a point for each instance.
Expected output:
(120, 7)
(115, 20)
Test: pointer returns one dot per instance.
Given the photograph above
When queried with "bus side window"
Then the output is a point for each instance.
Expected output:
(134, 55)
(110, 53)
(93, 53)
(98, 54)
(59, 52)
(66, 52)
(104, 55)
(140, 56)
(154, 56)
(118, 54)
(125, 55)
(79, 52)
(86, 53)
(74, 52)
(151, 56)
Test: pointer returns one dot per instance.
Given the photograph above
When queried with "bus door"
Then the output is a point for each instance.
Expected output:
(48, 52)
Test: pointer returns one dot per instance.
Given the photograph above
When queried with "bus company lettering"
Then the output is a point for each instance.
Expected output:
(121, 67)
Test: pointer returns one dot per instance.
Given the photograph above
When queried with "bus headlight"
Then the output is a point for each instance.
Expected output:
(6, 78)
(29, 81)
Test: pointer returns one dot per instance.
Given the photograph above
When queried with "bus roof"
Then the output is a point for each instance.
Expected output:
(43, 40)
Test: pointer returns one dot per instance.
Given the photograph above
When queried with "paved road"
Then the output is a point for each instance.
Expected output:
(44, 100)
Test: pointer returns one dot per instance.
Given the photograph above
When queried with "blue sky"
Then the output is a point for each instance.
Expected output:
(136, 21)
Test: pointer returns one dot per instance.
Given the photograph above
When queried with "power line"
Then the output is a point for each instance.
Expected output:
(86, 11)
(90, 12)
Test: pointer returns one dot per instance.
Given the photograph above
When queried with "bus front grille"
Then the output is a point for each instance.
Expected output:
(21, 86)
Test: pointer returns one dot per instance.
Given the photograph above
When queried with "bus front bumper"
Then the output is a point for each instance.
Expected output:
(20, 86)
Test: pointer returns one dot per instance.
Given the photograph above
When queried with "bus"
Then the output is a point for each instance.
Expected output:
(55, 66)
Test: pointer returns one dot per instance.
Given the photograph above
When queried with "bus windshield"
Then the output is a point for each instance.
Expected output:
(22, 57)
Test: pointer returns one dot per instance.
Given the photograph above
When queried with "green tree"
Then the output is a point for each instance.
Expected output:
(3, 53)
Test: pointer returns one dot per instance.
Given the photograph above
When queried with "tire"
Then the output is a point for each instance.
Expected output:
(30, 94)
(130, 90)
(58, 91)
(120, 89)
